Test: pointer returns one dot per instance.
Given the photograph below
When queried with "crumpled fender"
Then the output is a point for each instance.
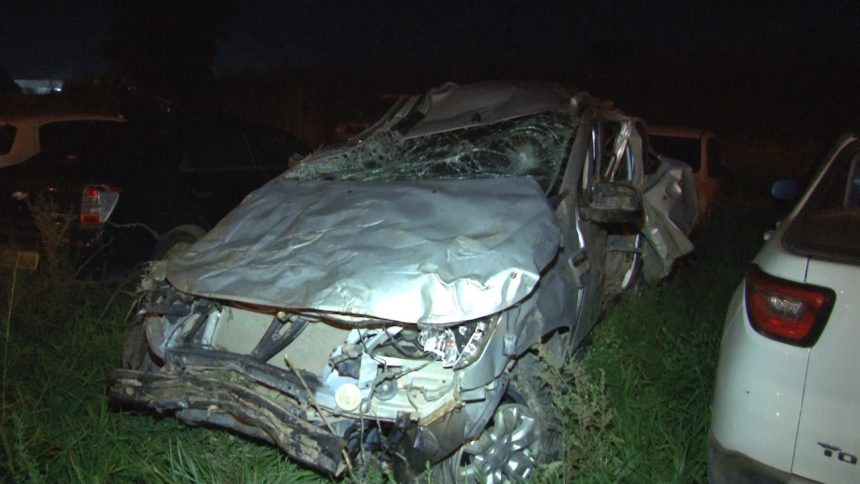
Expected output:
(669, 202)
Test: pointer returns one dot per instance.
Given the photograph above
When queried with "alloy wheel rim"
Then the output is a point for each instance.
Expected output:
(504, 452)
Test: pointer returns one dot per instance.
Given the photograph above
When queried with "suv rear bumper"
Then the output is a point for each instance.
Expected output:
(729, 467)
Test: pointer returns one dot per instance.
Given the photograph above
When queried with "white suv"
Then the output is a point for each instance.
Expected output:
(786, 405)
(20, 136)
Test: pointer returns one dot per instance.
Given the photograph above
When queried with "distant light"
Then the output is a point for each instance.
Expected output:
(40, 86)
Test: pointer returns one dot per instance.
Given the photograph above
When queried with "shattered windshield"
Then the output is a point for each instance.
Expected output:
(533, 145)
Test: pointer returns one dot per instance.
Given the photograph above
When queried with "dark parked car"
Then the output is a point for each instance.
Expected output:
(21, 136)
(385, 297)
(135, 189)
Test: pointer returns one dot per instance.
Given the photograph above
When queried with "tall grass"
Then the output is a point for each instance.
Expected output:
(64, 336)
(61, 336)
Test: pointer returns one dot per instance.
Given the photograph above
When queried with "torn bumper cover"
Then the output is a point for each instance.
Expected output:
(241, 394)
(235, 398)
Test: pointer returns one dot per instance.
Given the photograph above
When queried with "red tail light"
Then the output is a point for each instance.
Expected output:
(787, 311)
(97, 204)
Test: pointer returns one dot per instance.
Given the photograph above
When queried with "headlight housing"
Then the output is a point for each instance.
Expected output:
(458, 346)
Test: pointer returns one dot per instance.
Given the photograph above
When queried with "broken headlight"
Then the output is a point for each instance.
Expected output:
(458, 346)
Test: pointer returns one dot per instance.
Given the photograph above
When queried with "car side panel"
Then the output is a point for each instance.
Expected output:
(758, 391)
(830, 418)
(707, 185)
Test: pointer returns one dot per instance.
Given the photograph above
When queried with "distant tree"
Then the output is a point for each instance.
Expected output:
(166, 46)
(7, 84)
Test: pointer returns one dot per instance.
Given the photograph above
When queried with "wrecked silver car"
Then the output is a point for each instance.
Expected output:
(383, 299)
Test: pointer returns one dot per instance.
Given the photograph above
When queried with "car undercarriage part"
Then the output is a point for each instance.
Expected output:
(282, 331)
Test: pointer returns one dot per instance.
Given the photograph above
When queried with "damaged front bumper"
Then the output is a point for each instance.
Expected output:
(306, 416)
(237, 393)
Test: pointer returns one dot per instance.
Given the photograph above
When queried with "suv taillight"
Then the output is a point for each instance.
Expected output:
(786, 311)
(97, 204)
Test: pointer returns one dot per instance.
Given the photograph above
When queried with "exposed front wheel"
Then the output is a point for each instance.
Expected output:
(136, 354)
(177, 239)
(507, 451)
(523, 434)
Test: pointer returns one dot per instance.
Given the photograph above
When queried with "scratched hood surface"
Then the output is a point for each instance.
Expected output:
(417, 252)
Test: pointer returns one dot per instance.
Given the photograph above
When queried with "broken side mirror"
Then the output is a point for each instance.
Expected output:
(612, 202)
(787, 190)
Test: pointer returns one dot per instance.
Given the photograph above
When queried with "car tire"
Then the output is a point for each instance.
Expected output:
(508, 450)
(528, 387)
(521, 435)
(136, 354)
(176, 239)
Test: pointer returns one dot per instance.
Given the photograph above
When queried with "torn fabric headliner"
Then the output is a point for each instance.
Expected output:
(453, 106)
(438, 252)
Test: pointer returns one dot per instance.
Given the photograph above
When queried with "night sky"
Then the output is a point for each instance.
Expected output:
(43, 39)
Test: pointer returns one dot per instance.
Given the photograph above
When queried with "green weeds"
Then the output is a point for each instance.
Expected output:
(60, 340)
(589, 448)
(61, 335)
(53, 222)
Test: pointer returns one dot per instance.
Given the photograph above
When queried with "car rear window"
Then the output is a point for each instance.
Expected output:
(272, 147)
(84, 137)
(682, 149)
(827, 225)
(7, 138)
(217, 147)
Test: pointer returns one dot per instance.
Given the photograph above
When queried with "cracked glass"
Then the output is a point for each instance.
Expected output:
(534, 145)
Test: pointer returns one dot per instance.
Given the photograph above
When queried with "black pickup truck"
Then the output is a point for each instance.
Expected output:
(132, 190)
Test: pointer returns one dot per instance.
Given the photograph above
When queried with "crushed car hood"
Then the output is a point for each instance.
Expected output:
(431, 252)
